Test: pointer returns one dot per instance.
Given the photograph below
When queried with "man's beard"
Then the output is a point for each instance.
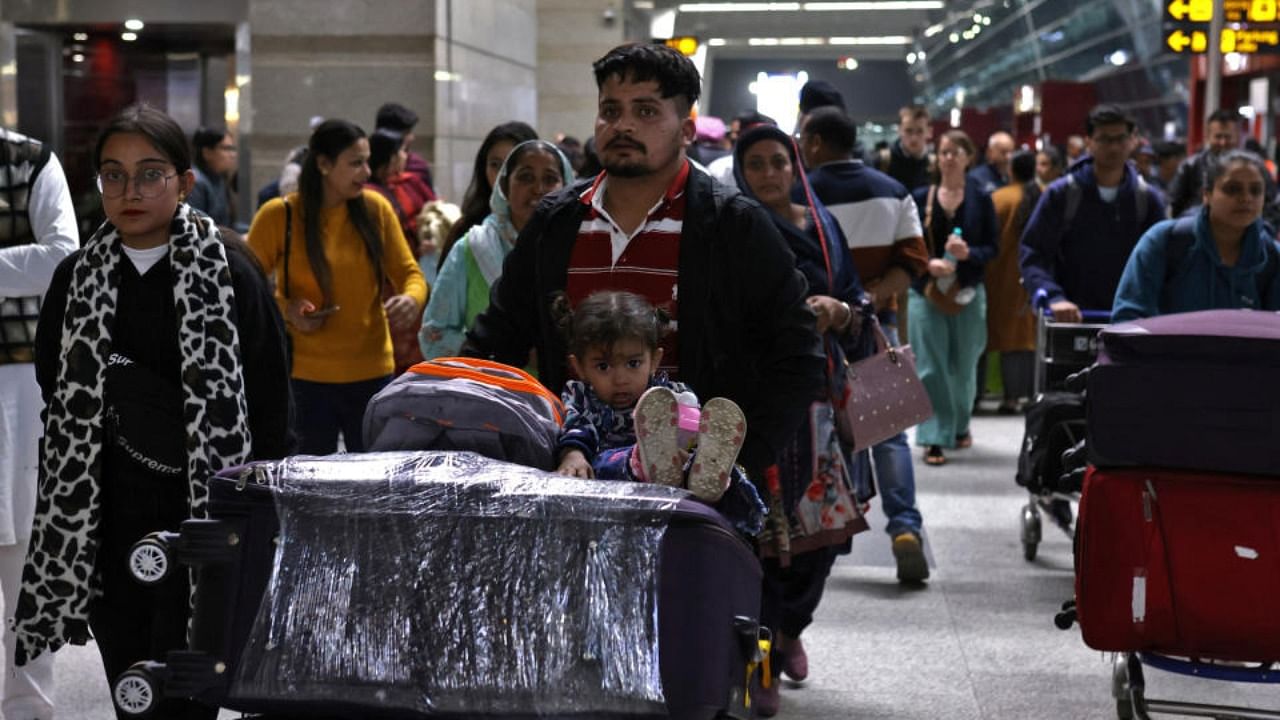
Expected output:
(627, 168)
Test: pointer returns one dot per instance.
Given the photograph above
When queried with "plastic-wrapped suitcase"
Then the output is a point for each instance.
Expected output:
(440, 584)
(1179, 562)
(1195, 390)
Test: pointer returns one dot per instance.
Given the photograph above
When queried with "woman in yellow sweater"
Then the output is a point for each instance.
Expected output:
(330, 246)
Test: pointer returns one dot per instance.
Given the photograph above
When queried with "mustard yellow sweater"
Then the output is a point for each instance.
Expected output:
(354, 343)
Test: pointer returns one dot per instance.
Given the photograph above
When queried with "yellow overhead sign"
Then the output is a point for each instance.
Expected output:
(684, 45)
(1235, 11)
(1245, 41)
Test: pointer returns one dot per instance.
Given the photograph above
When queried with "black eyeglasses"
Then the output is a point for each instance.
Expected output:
(149, 182)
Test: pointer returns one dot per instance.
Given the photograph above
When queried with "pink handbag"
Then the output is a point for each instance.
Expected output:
(883, 396)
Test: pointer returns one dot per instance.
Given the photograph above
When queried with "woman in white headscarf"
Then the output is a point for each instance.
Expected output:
(533, 169)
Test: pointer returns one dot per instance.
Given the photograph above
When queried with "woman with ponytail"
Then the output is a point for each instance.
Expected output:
(330, 246)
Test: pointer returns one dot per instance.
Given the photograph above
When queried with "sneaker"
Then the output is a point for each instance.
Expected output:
(656, 415)
(721, 430)
(766, 701)
(795, 662)
(912, 565)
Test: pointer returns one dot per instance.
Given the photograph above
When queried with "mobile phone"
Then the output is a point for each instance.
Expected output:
(324, 312)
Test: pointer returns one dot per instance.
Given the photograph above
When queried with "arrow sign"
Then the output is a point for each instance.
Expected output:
(1191, 10)
(1179, 41)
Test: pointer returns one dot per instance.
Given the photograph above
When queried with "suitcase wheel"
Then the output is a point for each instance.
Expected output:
(1031, 531)
(137, 691)
(150, 561)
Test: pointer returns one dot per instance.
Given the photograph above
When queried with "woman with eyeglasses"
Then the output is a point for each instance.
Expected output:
(214, 165)
(161, 358)
(1224, 256)
(330, 246)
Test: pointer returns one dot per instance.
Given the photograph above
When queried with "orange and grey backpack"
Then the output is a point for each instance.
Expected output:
(455, 403)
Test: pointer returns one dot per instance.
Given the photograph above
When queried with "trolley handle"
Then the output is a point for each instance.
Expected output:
(1040, 301)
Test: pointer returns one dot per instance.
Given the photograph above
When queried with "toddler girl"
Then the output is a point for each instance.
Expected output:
(622, 417)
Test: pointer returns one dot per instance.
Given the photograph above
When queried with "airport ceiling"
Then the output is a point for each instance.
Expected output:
(872, 29)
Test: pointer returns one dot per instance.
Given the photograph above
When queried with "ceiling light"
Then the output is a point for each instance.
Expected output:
(874, 5)
(128, 36)
(80, 37)
(967, 34)
(870, 40)
(911, 58)
(763, 41)
(933, 30)
(954, 38)
(134, 24)
(921, 55)
(78, 57)
(739, 7)
(848, 64)
(717, 42)
(881, 5)
(986, 19)
(977, 17)
(1118, 58)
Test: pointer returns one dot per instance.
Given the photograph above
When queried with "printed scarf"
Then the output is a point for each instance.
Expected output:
(58, 581)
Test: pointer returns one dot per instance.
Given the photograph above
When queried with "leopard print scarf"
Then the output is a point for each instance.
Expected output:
(58, 580)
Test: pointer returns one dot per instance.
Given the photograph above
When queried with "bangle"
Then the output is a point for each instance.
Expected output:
(848, 315)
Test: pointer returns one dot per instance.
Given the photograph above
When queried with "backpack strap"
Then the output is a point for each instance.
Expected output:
(1177, 245)
(288, 240)
(1142, 195)
(1267, 277)
(1073, 200)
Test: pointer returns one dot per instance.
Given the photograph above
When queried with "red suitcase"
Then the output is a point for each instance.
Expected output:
(1181, 563)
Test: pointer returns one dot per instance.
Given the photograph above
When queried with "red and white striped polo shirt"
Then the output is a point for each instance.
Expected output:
(645, 262)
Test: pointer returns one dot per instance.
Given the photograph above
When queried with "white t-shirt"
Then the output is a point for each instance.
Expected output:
(144, 259)
(1108, 193)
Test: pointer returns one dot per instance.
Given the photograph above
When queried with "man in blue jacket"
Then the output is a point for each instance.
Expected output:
(1086, 223)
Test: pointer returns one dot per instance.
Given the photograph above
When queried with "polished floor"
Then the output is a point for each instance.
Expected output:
(977, 643)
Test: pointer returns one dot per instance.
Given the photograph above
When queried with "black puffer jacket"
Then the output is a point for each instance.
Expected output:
(745, 330)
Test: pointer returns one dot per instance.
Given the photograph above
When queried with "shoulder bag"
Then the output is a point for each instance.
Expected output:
(881, 394)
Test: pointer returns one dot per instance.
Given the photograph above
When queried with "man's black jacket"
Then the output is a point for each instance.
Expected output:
(745, 332)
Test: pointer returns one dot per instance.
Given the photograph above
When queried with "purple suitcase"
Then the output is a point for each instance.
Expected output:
(1196, 391)
(704, 618)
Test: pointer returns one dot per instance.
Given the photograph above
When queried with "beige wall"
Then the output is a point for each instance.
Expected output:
(489, 50)
(572, 34)
(463, 66)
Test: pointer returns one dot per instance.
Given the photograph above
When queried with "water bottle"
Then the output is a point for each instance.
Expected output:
(945, 282)
(964, 295)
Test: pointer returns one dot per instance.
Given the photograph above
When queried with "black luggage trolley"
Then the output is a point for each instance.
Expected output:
(1052, 458)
